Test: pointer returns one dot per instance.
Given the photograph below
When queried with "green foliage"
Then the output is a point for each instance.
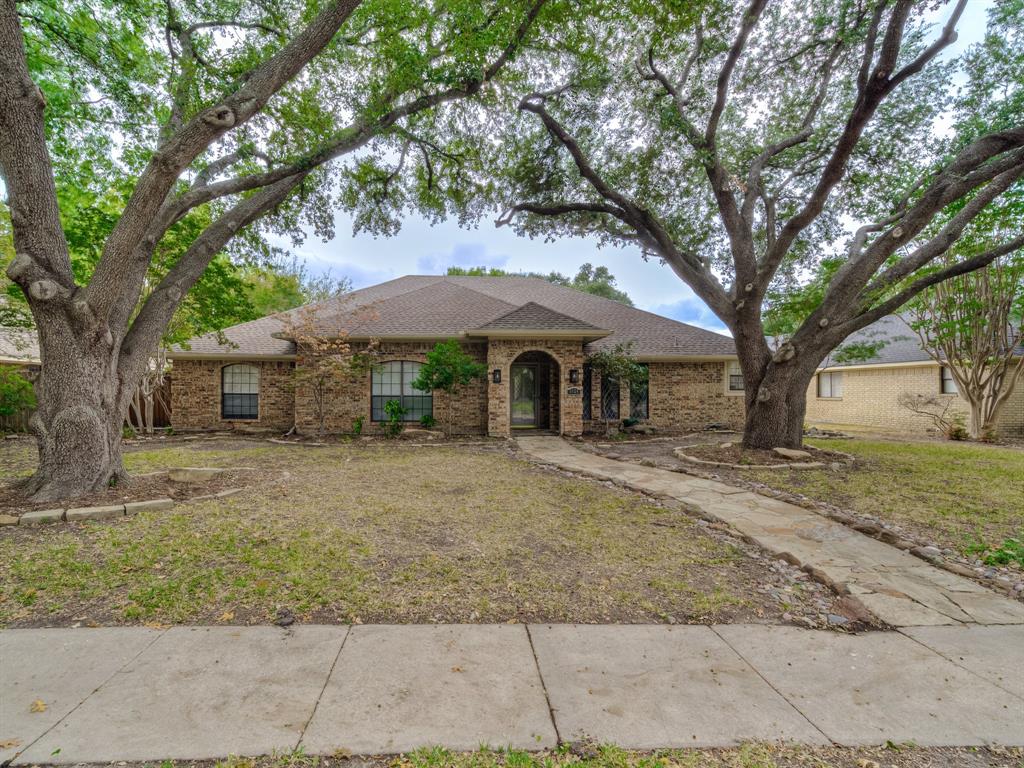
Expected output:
(1010, 552)
(280, 286)
(598, 281)
(427, 421)
(619, 363)
(395, 412)
(447, 368)
(357, 426)
(16, 393)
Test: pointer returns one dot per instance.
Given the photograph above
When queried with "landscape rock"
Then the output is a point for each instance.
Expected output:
(928, 552)
(193, 474)
(95, 513)
(153, 505)
(791, 453)
(42, 516)
(8, 520)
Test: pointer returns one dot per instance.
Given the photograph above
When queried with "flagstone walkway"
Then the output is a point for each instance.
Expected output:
(898, 588)
(193, 693)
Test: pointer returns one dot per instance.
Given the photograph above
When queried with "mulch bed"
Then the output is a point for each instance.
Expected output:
(734, 453)
(139, 488)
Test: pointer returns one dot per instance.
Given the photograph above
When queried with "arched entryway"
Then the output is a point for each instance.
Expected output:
(534, 392)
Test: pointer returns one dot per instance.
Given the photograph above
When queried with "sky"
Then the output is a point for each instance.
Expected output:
(424, 249)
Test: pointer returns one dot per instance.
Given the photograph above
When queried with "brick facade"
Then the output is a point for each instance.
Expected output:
(567, 409)
(349, 398)
(683, 396)
(196, 396)
(871, 398)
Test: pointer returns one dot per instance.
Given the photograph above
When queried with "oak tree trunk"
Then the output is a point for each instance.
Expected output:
(775, 394)
(80, 414)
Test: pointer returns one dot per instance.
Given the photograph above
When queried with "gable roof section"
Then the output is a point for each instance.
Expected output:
(438, 306)
(534, 318)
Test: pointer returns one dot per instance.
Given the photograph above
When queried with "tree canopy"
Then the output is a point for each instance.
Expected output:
(598, 281)
(838, 148)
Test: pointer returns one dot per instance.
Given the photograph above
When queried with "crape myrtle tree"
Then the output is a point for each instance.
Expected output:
(752, 145)
(226, 111)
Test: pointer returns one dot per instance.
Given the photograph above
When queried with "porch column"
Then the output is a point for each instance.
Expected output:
(570, 396)
(498, 415)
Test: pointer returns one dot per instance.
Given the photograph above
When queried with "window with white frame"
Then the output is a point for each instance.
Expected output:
(393, 381)
(735, 374)
(830, 385)
(240, 392)
(948, 382)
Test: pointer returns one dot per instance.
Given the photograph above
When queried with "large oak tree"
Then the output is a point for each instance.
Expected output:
(225, 112)
(750, 146)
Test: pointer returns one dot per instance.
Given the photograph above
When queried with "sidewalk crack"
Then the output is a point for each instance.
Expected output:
(954, 662)
(769, 684)
(543, 685)
(330, 674)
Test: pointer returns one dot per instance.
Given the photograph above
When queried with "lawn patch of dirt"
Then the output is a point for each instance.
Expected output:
(395, 533)
(728, 452)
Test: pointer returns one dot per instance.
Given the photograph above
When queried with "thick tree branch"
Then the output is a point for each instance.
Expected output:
(118, 276)
(25, 160)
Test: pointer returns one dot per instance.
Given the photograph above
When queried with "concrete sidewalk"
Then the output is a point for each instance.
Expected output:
(898, 588)
(205, 692)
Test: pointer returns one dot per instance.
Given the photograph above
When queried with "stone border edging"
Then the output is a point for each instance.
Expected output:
(108, 512)
(678, 453)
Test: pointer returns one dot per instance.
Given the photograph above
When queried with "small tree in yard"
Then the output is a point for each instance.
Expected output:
(325, 358)
(618, 364)
(448, 368)
(972, 324)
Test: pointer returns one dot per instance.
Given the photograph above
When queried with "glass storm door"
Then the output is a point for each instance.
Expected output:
(524, 395)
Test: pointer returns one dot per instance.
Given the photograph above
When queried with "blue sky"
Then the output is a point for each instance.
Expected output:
(424, 249)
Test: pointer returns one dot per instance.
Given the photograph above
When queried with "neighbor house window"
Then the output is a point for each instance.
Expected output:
(830, 385)
(588, 387)
(240, 392)
(609, 398)
(639, 404)
(393, 381)
(948, 382)
(735, 374)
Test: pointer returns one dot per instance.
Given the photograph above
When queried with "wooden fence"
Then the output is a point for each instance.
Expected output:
(18, 422)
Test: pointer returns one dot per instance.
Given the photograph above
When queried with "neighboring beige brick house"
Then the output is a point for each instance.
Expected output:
(533, 336)
(869, 394)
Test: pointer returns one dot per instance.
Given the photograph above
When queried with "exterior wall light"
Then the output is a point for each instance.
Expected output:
(496, 376)
(574, 376)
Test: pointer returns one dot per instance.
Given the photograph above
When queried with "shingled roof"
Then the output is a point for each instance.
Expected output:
(532, 317)
(438, 307)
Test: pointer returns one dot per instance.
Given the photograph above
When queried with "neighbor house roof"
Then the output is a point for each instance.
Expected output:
(900, 344)
(19, 346)
(437, 307)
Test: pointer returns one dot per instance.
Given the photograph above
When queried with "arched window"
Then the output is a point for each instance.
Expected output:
(393, 381)
(240, 392)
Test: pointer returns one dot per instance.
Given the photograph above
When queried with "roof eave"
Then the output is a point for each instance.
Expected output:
(225, 356)
(642, 358)
(527, 333)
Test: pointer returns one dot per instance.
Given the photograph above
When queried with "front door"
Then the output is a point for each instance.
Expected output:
(524, 395)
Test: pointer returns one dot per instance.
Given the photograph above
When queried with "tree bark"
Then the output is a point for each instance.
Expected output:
(80, 415)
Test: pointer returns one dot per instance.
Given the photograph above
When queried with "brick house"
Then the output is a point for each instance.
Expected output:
(869, 394)
(533, 336)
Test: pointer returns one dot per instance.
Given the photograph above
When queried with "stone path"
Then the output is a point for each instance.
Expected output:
(191, 693)
(898, 588)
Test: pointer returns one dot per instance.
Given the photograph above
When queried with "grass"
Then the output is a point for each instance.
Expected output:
(385, 533)
(752, 755)
(957, 494)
